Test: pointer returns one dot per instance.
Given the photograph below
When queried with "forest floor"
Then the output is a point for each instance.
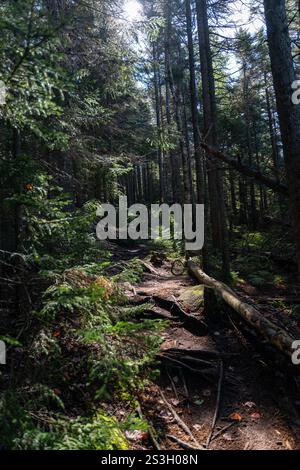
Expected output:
(247, 398)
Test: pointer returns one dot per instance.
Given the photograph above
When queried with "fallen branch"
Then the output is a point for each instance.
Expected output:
(183, 444)
(246, 170)
(271, 332)
(151, 431)
(208, 374)
(173, 385)
(186, 391)
(217, 405)
(149, 268)
(179, 421)
(219, 433)
(198, 352)
(194, 360)
(239, 334)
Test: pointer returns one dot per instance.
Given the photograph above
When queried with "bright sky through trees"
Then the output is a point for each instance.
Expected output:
(240, 18)
(132, 10)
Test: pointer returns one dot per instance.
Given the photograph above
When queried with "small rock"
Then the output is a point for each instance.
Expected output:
(250, 404)
(197, 427)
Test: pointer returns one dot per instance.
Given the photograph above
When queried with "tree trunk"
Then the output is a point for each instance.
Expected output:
(215, 182)
(178, 106)
(194, 108)
(272, 132)
(289, 113)
(248, 116)
(174, 161)
(158, 119)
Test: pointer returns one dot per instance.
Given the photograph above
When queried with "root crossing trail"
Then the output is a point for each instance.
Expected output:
(218, 388)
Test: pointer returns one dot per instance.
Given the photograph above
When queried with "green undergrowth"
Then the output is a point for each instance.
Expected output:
(171, 248)
(132, 272)
(76, 369)
(91, 351)
(253, 260)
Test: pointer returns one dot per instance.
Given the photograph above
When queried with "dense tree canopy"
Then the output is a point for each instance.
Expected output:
(188, 102)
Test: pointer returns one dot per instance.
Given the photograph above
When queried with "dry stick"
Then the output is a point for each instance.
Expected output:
(183, 444)
(219, 433)
(238, 333)
(181, 364)
(133, 290)
(173, 385)
(150, 268)
(179, 420)
(185, 389)
(151, 432)
(195, 360)
(153, 272)
(186, 357)
(205, 352)
(184, 385)
(217, 404)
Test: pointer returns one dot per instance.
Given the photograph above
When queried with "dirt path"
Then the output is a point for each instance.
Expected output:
(252, 393)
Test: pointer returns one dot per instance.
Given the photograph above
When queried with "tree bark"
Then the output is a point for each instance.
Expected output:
(174, 162)
(289, 113)
(157, 90)
(194, 108)
(215, 182)
(271, 332)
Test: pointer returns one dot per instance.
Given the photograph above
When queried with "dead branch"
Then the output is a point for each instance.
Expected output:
(251, 172)
(217, 409)
(183, 444)
(179, 420)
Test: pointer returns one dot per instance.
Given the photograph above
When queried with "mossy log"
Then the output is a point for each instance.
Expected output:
(269, 330)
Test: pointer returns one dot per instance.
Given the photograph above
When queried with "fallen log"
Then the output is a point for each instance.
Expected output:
(271, 332)
(246, 170)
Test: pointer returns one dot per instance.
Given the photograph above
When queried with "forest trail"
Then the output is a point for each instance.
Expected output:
(175, 121)
(215, 372)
